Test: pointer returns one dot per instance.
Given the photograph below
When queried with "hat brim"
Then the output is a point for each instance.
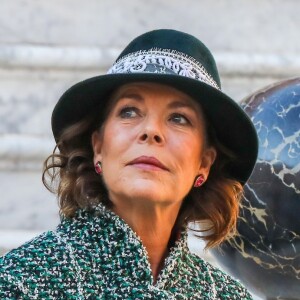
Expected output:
(233, 127)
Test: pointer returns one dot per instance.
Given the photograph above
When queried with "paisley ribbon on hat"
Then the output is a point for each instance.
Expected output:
(162, 61)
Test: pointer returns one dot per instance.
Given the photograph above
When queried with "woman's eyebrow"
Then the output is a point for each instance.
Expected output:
(133, 96)
(181, 104)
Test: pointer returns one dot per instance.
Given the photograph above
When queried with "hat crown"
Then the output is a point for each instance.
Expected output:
(174, 40)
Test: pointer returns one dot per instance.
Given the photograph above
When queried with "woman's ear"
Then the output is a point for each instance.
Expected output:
(208, 158)
(97, 145)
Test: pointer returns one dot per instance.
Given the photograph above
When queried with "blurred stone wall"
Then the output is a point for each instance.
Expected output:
(46, 46)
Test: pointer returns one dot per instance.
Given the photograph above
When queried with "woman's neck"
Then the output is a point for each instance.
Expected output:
(153, 224)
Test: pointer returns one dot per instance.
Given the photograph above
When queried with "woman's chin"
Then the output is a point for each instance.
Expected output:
(147, 188)
(148, 195)
(148, 191)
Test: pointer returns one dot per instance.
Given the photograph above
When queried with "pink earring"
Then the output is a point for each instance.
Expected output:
(98, 167)
(199, 181)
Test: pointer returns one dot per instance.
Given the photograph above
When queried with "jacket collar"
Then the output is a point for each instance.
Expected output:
(121, 246)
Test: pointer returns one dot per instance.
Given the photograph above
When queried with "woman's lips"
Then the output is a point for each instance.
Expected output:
(148, 163)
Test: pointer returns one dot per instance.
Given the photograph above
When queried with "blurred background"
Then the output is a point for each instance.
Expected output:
(46, 46)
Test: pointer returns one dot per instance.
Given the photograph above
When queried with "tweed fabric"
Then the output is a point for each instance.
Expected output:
(96, 255)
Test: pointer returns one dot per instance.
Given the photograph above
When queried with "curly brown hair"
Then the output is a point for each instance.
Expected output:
(69, 172)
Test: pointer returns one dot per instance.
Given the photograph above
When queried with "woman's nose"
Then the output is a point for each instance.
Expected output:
(148, 137)
(152, 132)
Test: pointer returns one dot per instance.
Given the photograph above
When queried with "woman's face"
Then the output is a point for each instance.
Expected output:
(152, 145)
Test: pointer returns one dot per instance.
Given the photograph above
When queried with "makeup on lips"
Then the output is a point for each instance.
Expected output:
(148, 163)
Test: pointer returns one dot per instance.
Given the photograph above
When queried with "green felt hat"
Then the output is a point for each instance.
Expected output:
(182, 61)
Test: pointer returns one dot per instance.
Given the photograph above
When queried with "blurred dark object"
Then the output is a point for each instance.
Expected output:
(265, 255)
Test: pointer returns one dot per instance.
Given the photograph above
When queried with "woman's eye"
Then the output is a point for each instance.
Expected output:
(128, 112)
(179, 119)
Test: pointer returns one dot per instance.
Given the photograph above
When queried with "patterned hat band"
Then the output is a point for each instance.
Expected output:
(163, 61)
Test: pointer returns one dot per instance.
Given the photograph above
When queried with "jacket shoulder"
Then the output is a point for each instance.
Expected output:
(23, 268)
(29, 254)
(226, 286)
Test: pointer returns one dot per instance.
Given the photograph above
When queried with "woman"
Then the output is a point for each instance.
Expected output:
(143, 150)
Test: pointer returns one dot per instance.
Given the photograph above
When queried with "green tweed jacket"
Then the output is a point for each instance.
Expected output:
(96, 255)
